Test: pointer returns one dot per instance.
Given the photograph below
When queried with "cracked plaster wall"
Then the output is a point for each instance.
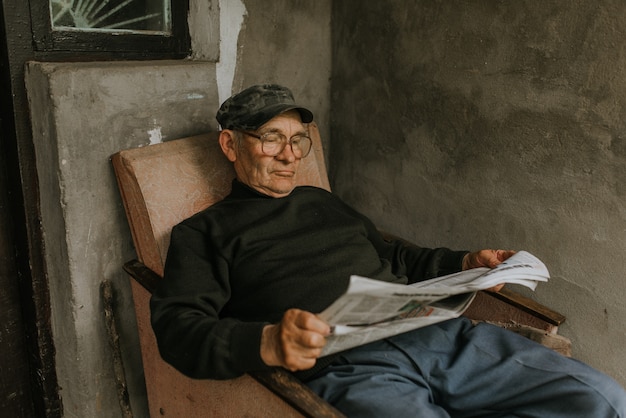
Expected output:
(494, 123)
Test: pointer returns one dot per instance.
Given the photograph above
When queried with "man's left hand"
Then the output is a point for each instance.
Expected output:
(486, 258)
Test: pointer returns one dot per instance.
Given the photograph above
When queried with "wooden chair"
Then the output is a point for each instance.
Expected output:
(165, 183)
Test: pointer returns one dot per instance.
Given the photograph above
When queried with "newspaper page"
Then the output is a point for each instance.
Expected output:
(371, 310)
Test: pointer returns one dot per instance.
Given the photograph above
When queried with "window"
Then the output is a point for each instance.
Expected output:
(134, 16)
(112, 28)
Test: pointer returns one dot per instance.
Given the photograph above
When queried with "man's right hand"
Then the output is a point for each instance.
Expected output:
(295, 342)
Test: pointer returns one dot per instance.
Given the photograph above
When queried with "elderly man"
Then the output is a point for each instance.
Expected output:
(245, 278)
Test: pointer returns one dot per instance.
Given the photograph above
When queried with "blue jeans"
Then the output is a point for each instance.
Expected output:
(455, 369)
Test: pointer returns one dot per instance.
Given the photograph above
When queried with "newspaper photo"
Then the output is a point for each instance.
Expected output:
(371, 310)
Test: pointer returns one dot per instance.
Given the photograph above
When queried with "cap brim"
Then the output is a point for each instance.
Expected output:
(268, 113)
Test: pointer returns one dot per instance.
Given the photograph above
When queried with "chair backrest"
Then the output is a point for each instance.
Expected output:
(166, 183)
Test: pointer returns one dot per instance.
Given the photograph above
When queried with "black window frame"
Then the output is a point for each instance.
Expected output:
(118, 45)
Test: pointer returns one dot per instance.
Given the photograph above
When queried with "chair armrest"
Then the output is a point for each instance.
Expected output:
(280, 382)
(530, 306)
(143, 275)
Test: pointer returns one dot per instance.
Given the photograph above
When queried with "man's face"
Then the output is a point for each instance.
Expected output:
(273, 176)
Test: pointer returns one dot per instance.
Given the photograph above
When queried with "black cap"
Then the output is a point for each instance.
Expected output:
(256, 105)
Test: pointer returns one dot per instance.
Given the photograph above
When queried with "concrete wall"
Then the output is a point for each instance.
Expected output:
(473, 124)
(84, 112)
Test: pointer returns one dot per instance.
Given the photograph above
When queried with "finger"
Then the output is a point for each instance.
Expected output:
(301, 363)
(483, 258)
(488, 258)
(491, 259)
(496, 257)
(504, 254)
(311, 340)
(302, 352)
(310, 322)
(496, 288)
(303, 330)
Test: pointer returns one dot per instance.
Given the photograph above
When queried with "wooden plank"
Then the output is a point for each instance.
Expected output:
(528, 305)
(299, 396)
(142, 274)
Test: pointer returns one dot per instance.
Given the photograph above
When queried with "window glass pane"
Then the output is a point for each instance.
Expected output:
(135, 16)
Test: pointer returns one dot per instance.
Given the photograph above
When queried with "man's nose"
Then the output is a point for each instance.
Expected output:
(287, 154)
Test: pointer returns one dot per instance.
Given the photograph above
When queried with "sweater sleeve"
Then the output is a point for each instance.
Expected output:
(410, 260)
(185, 309)
(418, 263)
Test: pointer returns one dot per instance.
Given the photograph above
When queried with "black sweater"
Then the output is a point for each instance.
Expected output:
(241, 263)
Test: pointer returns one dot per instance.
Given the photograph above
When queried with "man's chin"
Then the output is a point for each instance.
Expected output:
(279, 188)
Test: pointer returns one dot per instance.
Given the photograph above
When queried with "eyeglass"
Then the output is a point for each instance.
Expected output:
(273, 143)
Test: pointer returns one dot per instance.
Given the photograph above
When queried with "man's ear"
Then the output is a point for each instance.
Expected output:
(227, 142)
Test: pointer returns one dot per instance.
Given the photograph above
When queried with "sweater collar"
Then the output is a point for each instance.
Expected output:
(243, 191)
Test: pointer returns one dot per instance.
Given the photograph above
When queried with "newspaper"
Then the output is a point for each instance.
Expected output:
(371, 310)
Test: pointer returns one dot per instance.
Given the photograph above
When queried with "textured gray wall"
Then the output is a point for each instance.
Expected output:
(472, 124)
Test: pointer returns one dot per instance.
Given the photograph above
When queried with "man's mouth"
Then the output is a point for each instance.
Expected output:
(284, 173)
